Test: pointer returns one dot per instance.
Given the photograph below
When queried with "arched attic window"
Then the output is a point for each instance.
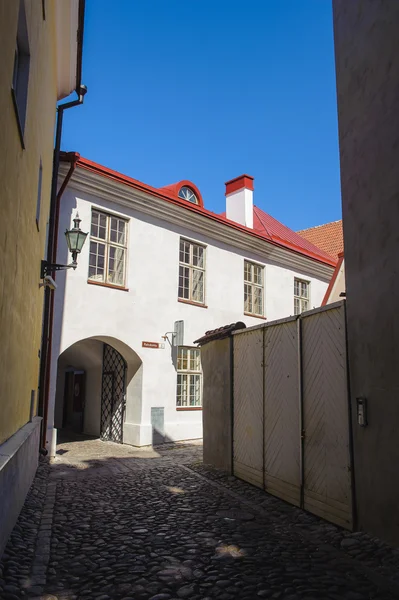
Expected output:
(187, 193)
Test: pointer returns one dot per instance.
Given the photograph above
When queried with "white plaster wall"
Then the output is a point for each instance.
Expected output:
(339, 285)
(150, 307)
(279, 291)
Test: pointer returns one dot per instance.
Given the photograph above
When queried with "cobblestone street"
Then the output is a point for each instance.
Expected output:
(109, 522)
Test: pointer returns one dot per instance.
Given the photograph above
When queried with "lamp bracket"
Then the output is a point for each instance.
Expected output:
(166, 337)
(46, 268)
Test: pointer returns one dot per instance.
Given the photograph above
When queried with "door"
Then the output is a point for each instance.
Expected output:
(327, 461)
(74, 400)
(282, 415)
(113, 395)
(248, 406)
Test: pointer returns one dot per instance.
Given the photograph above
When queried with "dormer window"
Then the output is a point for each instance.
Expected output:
(187, 194)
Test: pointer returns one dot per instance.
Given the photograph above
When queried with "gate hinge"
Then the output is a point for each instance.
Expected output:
(303, 434)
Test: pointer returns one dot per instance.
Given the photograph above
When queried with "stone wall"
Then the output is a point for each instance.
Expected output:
(367, 67)
(217, 415)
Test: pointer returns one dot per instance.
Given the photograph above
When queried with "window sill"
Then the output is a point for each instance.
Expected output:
(108, 285)
(183, 301)
(255, 316)
(188, 407)
(19, 124)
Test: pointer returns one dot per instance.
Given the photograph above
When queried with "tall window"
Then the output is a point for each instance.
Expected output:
(192, 272)
(301, 296)
(20, 75)
(189, 377)
(39, 195)
(108, 245)
(253, 289)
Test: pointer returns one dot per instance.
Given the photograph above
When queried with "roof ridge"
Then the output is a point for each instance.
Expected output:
(261, 222)
(318, 226)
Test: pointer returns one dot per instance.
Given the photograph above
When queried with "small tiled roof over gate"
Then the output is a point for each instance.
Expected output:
(219, 333)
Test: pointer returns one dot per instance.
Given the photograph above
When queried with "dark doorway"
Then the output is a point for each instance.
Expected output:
(113, 395)
(74, 400)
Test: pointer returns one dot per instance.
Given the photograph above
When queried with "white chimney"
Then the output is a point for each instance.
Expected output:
(239, 200)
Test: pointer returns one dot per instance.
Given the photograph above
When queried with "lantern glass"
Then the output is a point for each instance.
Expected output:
(72, 238)
(80, 240)
(75, 238)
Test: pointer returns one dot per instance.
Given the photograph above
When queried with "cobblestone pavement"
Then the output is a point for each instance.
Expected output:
(109, 522)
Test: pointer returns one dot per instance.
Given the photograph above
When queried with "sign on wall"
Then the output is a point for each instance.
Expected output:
(152, 345)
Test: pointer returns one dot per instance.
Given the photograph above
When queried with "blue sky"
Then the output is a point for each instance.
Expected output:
(207, 90)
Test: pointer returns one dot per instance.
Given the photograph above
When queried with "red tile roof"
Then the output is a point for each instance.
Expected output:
(274, 231)
(278, 232)
(328, 237)
(220, 333)
(265, 226)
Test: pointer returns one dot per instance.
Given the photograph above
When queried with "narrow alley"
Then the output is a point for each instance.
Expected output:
(105, 521)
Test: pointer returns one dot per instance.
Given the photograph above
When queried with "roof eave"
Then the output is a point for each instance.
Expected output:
(169, 197)
(69, 23)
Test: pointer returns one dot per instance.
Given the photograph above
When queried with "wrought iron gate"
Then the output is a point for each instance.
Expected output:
(113, 395)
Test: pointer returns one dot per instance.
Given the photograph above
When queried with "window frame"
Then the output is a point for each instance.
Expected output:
(107, 242)
(301, 298)
(192, 268)
(39, 195)
(188, 374)
(253, 286)
(182, 195)
(20, 74)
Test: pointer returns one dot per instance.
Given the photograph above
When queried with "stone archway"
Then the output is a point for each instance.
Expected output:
(111, 374)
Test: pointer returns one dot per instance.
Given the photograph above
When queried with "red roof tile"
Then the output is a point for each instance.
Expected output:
(265, 226)
(274, 231)
(270, 227)
(328, 237)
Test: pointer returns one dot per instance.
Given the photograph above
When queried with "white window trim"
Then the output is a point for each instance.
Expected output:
(262, 267)
(191, 268)
(188, 373)
(302, 298)
(108, 243)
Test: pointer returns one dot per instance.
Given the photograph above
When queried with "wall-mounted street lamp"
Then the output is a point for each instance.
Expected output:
(75, 238)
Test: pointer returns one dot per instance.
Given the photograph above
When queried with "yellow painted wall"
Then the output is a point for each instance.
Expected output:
(22, 246)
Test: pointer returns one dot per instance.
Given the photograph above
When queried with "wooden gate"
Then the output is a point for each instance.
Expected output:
(327, 465)
(248, 407)
(282, 411)
(291, 411)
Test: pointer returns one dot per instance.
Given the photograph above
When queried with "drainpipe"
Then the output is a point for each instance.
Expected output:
(47, 328)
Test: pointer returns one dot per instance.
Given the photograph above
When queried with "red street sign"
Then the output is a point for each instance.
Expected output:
(150, 344)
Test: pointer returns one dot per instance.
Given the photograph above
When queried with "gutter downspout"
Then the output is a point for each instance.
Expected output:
(47, 330)
(74, 158)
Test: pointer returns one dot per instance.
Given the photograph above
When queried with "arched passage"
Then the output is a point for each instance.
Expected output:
(99, 381)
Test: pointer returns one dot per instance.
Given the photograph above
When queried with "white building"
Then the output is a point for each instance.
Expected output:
(157, 271)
